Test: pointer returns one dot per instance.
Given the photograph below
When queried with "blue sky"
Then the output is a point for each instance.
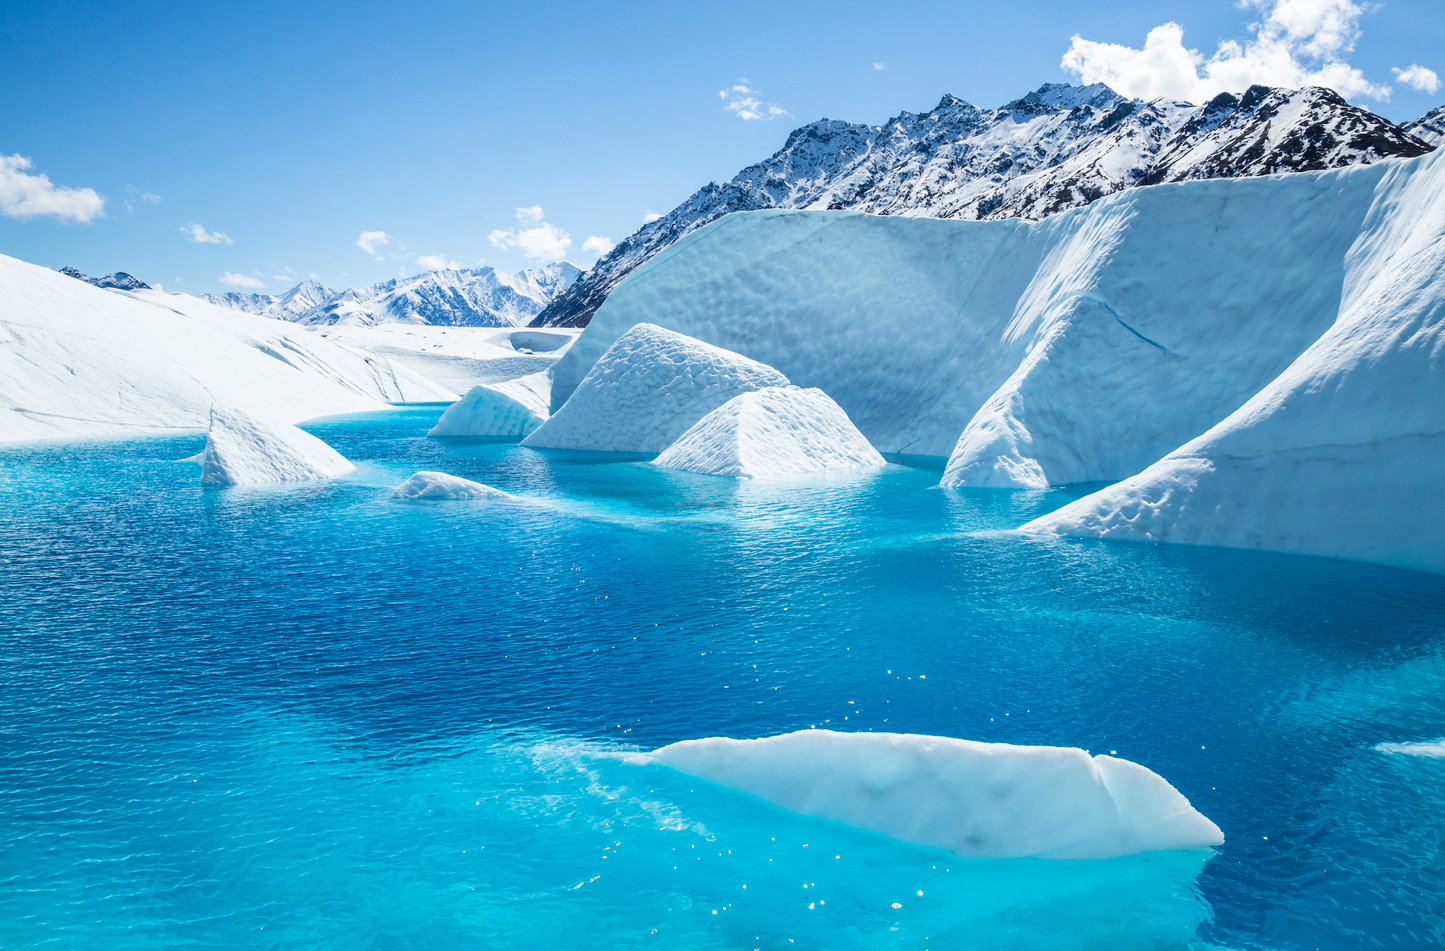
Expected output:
(279, 133)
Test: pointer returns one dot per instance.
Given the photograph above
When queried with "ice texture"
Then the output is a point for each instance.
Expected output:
(76, 360)
(243, 448)
(1343, 453)
(440, 485)
(775, 431)
(981, 800)
(648, 388)
(513, 408)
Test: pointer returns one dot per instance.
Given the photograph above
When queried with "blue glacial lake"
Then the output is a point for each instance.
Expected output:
(305, 716)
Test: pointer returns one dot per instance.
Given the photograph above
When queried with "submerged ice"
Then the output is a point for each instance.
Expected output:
(442, 486)
(980, 800)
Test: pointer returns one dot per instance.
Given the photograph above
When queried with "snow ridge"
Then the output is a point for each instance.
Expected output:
(1429, 128)
(1057, 148)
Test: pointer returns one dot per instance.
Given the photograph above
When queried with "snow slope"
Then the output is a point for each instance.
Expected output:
(77, 360)
(513, 408)
(649, 387)
(981, 800)
(1082, 347)
(775, 431)
(1057, 148)
(1343, 454)
(242, 448)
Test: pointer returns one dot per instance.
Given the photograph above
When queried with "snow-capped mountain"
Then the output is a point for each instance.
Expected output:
(1430, 126)
(119, 280)
(1057, 148)
(476, 297)
(292, 305)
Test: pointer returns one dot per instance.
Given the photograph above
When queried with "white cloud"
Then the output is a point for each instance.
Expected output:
(546, 241)
(879, 66)
(371, 240)
(437, 262)
(650, 217)
(532, 214)
(23, 195)
(199, 235)
(241, 280)
(1298, 43)
(743, 100)
(1418, 77)
(600, 245)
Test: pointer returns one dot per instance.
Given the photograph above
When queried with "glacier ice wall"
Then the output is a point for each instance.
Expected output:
(1343, 454)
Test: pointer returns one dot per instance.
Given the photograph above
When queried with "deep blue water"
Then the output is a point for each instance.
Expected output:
(305, 716)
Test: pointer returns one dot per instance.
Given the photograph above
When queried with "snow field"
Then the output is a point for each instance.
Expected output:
(242, 448)
(650, 387)
(981, 800)
(774, 431)
(441, 486)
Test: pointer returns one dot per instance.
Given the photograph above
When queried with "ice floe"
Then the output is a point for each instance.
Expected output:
(441, 486)
(648, 389)
(983, 800)
(513, 408)
(243, 448)
(774, 431)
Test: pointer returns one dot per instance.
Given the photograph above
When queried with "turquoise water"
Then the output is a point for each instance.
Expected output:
(305, 716)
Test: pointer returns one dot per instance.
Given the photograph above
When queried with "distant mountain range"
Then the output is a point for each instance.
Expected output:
(1057, 148)
(119, 280)
(476, 297)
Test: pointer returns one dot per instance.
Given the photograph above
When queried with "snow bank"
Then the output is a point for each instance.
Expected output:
(77, 360)
(1082, 347)
(775, 431)
(1343, 454)
(982, 800)
(242, 448)
(650, 386)
(513, 408)
(439, 485)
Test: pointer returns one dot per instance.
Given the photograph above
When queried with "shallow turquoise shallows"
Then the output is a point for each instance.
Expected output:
(307, 717)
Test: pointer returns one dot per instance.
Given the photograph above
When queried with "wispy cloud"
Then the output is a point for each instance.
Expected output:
(650, 217)
(1418, 77)
(879, 66)
(199, 235)
(241, 280)
(24, 196)
(544, 242)
(598, 244)
(743, 100)
(437, 262)
(1297, 43)
(370, 241)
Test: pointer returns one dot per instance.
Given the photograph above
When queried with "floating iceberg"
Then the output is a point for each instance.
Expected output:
(775, 431)
(1343, 454)
(439, 485)
(513, 408)
(242, 448)
(648, 389)
(982, 800)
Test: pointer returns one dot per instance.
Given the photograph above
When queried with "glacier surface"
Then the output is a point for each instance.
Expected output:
(650, 387)
(775, 431)
(428, 486)
(980, 800)
(242, 448)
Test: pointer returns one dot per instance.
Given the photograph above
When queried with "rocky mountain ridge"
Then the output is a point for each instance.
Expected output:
(1056, 148)
(119, 280)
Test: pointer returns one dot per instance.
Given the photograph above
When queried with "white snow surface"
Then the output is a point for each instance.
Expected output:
(77, 360)
(512, 408)
(441, 486)
(980, 800)
(243, 448)
(775, 431)
(1343, 453)
(649, 388)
